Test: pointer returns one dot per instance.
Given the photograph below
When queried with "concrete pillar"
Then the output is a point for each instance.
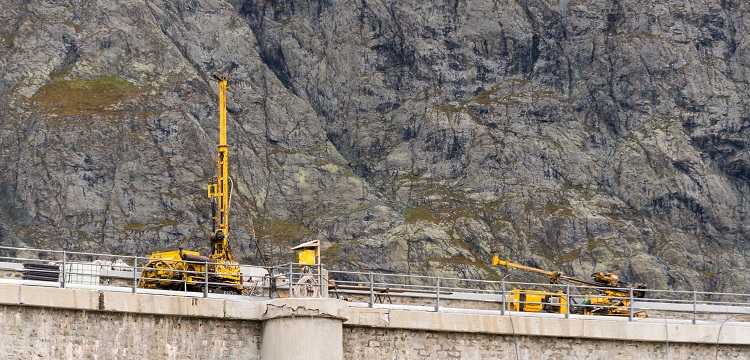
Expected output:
(303, 329)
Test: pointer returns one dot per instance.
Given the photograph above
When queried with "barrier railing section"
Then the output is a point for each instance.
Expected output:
(288, 280)
(66, 268)
(697, 305)
(63, 268)
(295, 280)
(389, 288)
(563, 299)
(83, 269)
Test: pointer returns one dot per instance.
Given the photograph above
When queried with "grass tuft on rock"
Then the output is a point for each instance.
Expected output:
(80, 97)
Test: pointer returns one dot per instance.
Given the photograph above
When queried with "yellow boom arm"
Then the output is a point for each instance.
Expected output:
(555, 276)
(220, 190)
(497, 262)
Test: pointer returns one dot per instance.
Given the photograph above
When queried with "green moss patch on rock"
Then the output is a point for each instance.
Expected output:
(80, 97)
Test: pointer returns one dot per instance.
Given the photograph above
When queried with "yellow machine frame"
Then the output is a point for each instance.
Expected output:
(538, 301)
(187, 269)
(226, 268)
(609, 301)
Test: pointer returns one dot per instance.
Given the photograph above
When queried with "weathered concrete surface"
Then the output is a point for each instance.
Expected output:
(50, 333)
(603, 328)
(383, 343)
(326, 308)
(303, 329)
(162, 305)
(53, 323)
(302, 338)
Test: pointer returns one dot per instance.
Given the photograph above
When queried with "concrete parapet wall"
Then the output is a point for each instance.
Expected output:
(384, 343)
(49, 333)
(53, 323)
(402, 334)
(605, 328)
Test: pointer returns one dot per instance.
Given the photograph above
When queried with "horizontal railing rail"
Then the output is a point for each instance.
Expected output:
(294, 280)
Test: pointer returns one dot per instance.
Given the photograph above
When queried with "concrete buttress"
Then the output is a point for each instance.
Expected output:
(309, 329)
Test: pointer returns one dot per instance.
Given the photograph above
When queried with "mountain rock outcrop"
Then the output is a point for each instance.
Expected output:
(409, 136)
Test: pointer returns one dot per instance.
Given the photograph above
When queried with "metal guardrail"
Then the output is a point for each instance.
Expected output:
(124, 273)
(443, 293)
(79, 269)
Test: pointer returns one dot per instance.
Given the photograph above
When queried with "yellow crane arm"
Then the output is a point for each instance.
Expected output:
(554, 276)
(220, 190)
(601, 279)
(497, 262)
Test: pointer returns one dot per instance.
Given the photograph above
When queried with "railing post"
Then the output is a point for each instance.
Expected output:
(62, 282)
(291, 277)
(271, 283)
(695, 307)
(135, 273)
(630, 308)
(437, 299)
(372, 294)
(505, 298)
(567, 301)
(322, 286)
(323, 283)
(205, 279)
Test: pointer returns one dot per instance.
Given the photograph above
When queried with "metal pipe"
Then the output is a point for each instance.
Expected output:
(567, 302)
(505, 299)
(437, 298)
(62, 283)
(135, 273)
(372, 295)
(205, 279)
(320, 282)
(695, 307)
(271, 283)
(291, 278)
(630, 305)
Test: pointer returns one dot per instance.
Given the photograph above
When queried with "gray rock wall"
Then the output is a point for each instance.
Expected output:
(409, 136)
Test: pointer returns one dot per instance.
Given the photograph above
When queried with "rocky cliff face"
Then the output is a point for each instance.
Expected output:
(410, 136)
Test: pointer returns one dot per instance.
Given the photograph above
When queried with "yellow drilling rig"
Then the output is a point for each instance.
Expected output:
(188, 270)
(613, 297)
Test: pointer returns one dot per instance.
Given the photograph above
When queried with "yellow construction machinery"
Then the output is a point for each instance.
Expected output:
(538, 301)
(613, 295)
(188, 270)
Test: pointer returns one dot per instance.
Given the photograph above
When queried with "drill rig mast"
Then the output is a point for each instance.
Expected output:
(220, 190)
(188, 270)
(226, 269)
